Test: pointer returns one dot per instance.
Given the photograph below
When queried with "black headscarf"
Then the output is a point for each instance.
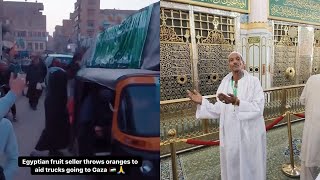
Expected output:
(57, 86)
(74, 66)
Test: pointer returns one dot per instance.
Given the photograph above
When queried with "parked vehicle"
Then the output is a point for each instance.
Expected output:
(58, 60)
(133, 129)
(62, 58)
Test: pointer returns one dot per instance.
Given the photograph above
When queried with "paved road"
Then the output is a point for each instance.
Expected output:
(28, 129)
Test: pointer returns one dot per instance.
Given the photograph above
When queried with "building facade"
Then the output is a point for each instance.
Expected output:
(50, 44)
(62, 36)
(28, 27)
(111, 17)
(85, 22)
(58, 41)
(86, 18)
(1, 10)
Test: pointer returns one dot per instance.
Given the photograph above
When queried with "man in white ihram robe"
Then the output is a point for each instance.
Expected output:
(242, 127)
(310, 149)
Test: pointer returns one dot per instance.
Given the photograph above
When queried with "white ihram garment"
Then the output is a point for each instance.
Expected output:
(310, 149)
(242, 129)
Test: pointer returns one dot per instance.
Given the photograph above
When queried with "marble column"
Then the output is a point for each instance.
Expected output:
(305, 58)
(256, 39)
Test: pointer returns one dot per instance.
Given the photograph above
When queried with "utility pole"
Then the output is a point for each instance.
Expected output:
(1, 40)
(79, 24)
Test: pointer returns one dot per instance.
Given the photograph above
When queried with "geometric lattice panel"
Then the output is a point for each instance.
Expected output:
(284, 57)
(212, 66)
(205, 23)
(176, 73)
(281, 31)
(304, 71)
(316, 61)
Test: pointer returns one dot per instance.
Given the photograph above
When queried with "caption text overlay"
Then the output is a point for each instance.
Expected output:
(79, 165)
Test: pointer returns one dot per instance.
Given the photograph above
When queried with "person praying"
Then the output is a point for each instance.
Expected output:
(239, 106)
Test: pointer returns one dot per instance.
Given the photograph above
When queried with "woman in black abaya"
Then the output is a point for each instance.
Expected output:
(55, 136)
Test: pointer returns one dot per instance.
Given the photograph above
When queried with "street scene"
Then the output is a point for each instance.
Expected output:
(82, 80)
(28, 130)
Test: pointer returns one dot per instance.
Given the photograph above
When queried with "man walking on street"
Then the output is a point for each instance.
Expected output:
(35, 77)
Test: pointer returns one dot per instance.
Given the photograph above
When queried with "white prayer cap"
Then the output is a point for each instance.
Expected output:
(239, 54)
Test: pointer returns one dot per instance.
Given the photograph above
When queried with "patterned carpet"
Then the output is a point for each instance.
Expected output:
(203, 164)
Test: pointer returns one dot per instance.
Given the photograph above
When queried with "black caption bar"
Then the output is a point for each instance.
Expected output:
(79, 165)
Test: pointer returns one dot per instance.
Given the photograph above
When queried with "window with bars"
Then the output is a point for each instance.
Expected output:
(21, 45)
(90, 32)
(204, 23)
(280, 31)
(21, 33)
(91, 23)
(179, 20)
(92, 2)
(29, 46)
(317, 37)
(91, 12)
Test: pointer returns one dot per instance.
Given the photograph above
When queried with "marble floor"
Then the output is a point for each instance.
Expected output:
(203, 164)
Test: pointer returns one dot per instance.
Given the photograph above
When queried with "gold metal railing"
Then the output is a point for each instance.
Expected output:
(289, 169)
(180, 115)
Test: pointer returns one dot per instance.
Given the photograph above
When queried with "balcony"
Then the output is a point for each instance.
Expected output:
(92, 3)
(76, 19)
(36, 38)
(91, 27)
(76, 5)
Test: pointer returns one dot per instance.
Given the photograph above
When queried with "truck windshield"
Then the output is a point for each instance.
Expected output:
(139, 110)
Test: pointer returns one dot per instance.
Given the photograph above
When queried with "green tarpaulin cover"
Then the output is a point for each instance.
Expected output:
(121, 46)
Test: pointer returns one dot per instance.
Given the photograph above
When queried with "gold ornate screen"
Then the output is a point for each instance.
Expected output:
(215, 40)
(181, 70)
(175, 54)
(316, 53)
(286, 41)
